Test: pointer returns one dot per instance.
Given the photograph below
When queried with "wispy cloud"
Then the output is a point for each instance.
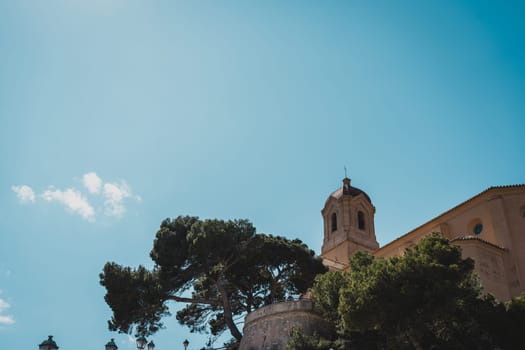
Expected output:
(108, 197)
(92, 182)
(5, 271)
(115, 195)
(130, 342)
(24, 193)
(72, 200)
(5, 319)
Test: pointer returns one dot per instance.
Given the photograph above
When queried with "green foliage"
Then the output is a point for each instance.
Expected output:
(428, 298)
(516, 308)
(326, 293)
(221, 269)
(135, 294)
(511, 321)
(300, 341)
(408, 296)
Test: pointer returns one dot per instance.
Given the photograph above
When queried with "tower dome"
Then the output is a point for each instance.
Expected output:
(348, 216)
(347, 190)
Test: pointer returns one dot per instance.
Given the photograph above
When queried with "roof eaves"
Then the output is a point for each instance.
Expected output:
(474, 238)
(452, 209)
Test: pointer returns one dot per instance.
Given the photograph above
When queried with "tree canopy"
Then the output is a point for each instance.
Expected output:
(220, 269)
(428, 298)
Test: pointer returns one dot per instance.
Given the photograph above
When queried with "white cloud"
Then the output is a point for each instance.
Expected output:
(5, 319)
(115, 195)
(73, 201)
(4, 305)
(24, 193)
(107, 197)
(92, 182)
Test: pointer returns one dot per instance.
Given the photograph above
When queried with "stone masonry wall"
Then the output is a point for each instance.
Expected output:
(269, 327)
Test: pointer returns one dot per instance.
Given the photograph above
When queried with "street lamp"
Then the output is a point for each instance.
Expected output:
(48, 344)
(111, 345)
(141, 342)
(151, 345)
(185, 343)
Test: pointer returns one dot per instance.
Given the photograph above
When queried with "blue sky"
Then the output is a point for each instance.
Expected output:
(116, 114)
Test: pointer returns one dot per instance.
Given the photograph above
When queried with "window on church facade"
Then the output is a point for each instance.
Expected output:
(478, 229)
(361, 220)
(334, 222)
(475, 227)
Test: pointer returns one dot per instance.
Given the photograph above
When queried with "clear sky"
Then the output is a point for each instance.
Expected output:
(115, 114)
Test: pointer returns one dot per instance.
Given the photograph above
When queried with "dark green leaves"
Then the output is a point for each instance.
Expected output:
(135, 297)
(222, 269)
(427, 298)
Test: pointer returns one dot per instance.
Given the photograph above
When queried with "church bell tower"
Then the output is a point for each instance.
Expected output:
(348, 217)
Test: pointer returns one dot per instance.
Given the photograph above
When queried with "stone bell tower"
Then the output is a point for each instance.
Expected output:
(348, 217)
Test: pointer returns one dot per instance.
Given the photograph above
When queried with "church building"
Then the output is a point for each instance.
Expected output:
(489, 228)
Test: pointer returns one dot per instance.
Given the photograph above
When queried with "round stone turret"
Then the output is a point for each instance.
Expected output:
(269, 327)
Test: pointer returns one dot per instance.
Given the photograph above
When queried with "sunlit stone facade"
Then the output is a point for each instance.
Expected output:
(489, 227)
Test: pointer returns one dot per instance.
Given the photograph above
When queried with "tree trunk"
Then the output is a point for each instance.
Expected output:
(228, 316)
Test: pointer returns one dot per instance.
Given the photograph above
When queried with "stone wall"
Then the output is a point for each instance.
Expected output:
(269, 327)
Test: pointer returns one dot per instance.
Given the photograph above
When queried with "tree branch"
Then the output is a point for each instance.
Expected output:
(228, 316)
(194, 300)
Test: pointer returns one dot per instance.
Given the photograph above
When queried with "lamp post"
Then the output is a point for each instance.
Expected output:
(48, 344)
(111, 345)
(185, 343)
(151, 345)
(141, 343)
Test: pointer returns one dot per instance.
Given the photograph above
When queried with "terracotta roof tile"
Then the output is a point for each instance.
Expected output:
(475, 238)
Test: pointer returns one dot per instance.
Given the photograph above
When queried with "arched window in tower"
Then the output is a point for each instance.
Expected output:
(334, 222)
(361, 220)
